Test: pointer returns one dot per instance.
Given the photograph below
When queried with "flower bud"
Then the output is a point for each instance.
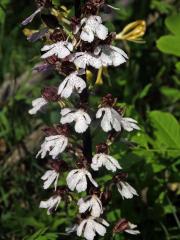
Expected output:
(102, 148)
(106, 196)
(133, 31)
(121, 225)
(58, 35)
(65, 67)
(58, 165)
(52, 60)
(50, 94)
(92, 6)
(122, 176)
(108, 100)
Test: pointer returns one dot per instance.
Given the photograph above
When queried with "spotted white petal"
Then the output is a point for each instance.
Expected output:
(71, 83)
(108, 161)
(111, 55)
(51, 203)
(60, 49)
(87, 34)
(101, 32)
(53, 145)
(111, 119)
(126, 190)
(80, 117)
(89, 231)
(76, 179)
(132, 229)
(80, 228)
(37, 105)
(49, 177)
(92, 204)
(93, 27)
(129, 124)
(84, 59)
(91, 179)
(89, 227)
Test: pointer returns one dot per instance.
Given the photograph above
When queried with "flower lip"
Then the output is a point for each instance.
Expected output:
(50, 94)
(121, 226)
(102, 148)
(108, 100)
(122, 176)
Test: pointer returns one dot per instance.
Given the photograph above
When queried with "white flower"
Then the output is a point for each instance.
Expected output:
(111, 55)
(83, 59)
(92, 203)
(60, 49)
(49, 177)
(51, 203)
(80, 117)
(129, 124)
(102, 159)
(131, 229)
(77, 179)
(70, 83)
(54, 145)
(93, 27)
(126, 190)
(89, 227)
(113, 120)
(37, 104)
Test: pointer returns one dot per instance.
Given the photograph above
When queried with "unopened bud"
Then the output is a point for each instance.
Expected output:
(133, 31)
(50, 94)
(121, 226)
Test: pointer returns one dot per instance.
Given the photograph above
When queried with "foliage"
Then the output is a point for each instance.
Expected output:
(148, 84)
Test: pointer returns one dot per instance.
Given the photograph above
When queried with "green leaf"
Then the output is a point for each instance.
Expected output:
(178, 66)
(145, 90)
(166, 130)
(173, 24)
(172, 93)
(169, 44)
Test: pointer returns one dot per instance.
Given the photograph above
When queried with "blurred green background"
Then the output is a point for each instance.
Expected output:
(148, 85)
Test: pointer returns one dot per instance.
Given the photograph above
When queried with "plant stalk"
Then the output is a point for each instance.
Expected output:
(84, 99)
